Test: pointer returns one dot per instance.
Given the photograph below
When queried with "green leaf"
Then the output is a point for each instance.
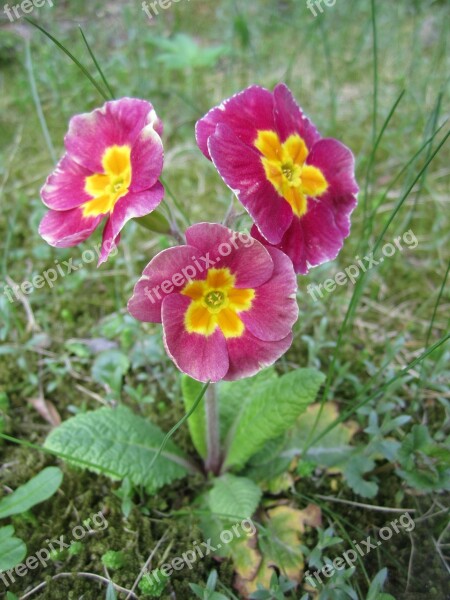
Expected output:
(197, 421)
(12, 550)
(269, 413)
(109, 368)
(198, 591)
(183, 52)
(376, 586)
(33, 492)
(154, 221)
(330, 450)
(236, 497)
(354, 470)
(233, 396)
(268, 464)
(418, 439)
(11, 596)
(120, 444)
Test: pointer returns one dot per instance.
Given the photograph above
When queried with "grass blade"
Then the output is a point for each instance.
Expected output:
(37, 101)
(71, 56)
(179, 424)
(348, 413)
(96, 64)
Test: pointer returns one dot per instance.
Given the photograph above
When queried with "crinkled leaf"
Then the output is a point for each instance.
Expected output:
(38, 489)
(269, 413)
(236, 497)
(233, 395)
(280, 547)
(268, 464)
(120, 444)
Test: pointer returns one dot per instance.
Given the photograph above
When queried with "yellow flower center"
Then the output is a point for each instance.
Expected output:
(216, 303)
(285, 168)
(106, 188)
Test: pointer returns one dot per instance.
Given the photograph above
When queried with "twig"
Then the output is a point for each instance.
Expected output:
(87, 576)
(369, 506)
(410, 563)
(144, 568)
(32, 325)
(426, 516)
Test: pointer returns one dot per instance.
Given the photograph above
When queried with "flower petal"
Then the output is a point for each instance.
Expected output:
(245, 113)
(65, 228)
(135, 205)
(201, 357)
(337, 163)
(248, 354)
(118, 122)
(290, 119)
(168, 266)
(242, 170)
(248, 260)
(147, 156)
(65, 187)
(274, 309)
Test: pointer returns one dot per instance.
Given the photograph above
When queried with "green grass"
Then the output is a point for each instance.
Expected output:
(384, 96)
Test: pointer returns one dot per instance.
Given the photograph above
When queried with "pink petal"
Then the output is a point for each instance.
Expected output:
(248, 354)
(241, 168)
(136, 205)
(167, 268)
(248, 260)
(67, 228)
(245, 113)
(64, 188)
(313, 239)
(118, 122)
(274, 309)
(337, 163)
(128, 207)
(201, 357)
(147, 157)
(109, 243)
(290, 119)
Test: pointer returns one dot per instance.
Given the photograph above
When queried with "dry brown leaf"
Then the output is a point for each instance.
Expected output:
(46, 409)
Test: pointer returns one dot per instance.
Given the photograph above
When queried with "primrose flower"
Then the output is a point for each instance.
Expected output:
(114, 157)
(226, 302)
(298, 188)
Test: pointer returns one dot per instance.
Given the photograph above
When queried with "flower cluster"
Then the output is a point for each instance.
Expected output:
(235, 316)
(113, 160)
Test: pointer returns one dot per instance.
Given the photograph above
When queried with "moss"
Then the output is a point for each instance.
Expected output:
(83, 495)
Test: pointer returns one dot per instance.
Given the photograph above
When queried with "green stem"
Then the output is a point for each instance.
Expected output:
(179, 424)
(213, 458)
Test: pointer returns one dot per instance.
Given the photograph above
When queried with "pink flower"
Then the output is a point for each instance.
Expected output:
(227, 303)
(114, 157)
(298, 188)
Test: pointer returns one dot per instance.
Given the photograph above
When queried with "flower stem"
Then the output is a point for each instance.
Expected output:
(213, 458)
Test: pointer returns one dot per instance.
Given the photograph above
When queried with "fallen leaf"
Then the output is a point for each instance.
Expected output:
(47, 410)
